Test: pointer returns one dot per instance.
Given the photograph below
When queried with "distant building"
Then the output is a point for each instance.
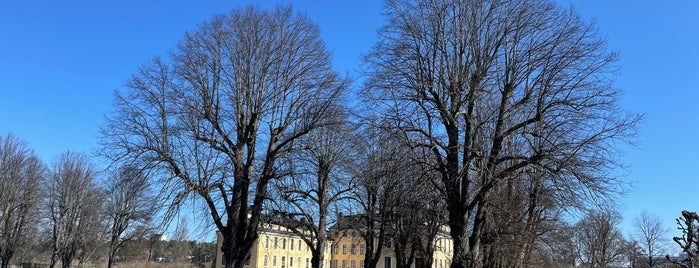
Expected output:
(279, 247)
(161, 237)
(349, 248)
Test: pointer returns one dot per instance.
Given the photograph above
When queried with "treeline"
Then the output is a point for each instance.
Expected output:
(497, 119)
(70, 212)
(494, 118)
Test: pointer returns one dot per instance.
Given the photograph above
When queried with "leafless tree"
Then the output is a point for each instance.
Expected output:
(523, 211)
(599, 241)
(689, 241)
(556, 248)
(400, 209)
(21, 173)
(651, 234)
(416, 223)
(129, 205)
(179, 245)
(318, 177)
(73, 205)
(492, 88)
(234, 97)
(378, 177)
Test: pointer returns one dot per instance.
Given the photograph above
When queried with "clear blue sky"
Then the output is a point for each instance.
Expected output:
(60, 61)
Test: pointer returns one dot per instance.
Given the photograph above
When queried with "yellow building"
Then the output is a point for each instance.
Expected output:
(349, 249)
(443, 251)
(278, 247)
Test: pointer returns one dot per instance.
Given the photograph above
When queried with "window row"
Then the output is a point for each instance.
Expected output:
(265, 262)
(352, 264)
(292, 242)
(352, 249)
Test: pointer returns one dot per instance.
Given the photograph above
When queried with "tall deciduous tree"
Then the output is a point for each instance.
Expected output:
(378, 176)
(234, 97)
(128, 208)
(599, 241)
(21, 173)
(73, 205)
(317, 178)
(494, 87)
(651, 235)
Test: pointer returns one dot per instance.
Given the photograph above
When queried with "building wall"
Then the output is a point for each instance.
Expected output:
(444, 247)
(348, 250)
(277, 247)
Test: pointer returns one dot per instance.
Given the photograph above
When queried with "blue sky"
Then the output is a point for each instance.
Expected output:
(60, 62)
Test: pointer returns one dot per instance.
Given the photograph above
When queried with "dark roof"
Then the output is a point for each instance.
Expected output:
(357, 221)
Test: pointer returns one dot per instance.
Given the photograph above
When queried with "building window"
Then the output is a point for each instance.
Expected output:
(276, 242)
(299, 244)
(353, 249)
(362, 249)
(333, 249)
(298, 262)
(274, 260)
(344, 249)
(264, 261)
(266, 241)
(354, 234)
(353, 264)
(344, 263)
(283, 261)
(291, 244)
(387, 262)
(283, 243)
(291, 261)
(361, 264)
(306, 262)
(334, 265)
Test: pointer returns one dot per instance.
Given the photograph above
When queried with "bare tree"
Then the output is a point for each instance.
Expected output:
(179, 247)
(599, 241)
(20, 175)
(492, 88)
(651, 233)
(689, 241)
(73, 204)
(234, 97)
(129, 206)
(318, 177)
(378, 178)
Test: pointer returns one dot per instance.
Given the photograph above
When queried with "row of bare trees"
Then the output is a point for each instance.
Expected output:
(494, 118)
(491, 117)
(65, 209)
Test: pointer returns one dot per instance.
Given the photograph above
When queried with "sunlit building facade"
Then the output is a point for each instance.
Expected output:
(277, 247)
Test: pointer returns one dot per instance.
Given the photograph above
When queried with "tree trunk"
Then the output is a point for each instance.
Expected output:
(65, 262)
(317, 258)
(5, 262)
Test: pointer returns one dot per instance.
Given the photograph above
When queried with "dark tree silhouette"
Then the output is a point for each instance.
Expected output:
(689, 241)
(234, 97)
(491, 88)
(21, 173)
